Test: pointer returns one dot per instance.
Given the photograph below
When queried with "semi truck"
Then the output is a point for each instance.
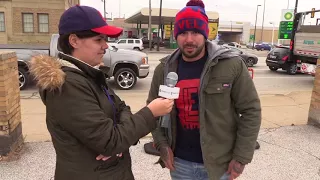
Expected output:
(305, 42)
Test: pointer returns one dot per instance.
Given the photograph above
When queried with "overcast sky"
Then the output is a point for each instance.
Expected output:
(229, 10)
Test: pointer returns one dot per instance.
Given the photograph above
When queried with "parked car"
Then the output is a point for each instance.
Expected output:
(250, 59)
(234, 44)
(277, 58)
(135, 44)
(249, 45)
(218, 42)
(154, 42)
(262, 47)
(122, 64)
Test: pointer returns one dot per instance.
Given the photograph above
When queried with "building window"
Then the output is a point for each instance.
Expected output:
(43, 22)
(27, 20)
(2, 24)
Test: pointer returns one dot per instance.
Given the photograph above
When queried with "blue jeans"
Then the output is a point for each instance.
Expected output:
(186, 170)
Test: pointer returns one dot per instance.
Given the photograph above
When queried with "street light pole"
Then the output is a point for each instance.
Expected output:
(272, 31)
(296, 7)
(264, 9)
(255, 27)
(160, 24)
(104, 9)
(150, 29)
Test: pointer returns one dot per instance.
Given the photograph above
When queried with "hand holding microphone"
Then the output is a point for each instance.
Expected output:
(169, 91)
(160, 106)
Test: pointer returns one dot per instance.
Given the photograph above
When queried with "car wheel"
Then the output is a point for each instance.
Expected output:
(23, 78)
(292, 69)
(262, 49)
(125, 78)
(250, 62)
(273, 68)
(136, 48)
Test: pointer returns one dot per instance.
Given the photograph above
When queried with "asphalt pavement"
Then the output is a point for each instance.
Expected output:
(287, 152)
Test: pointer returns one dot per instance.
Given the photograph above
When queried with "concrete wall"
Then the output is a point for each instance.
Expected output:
(267, 35)
(245, 38)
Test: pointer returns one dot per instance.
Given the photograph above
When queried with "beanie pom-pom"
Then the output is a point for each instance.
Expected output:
(196, 3)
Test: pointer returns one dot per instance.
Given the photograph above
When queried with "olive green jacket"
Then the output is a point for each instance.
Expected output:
(229, 109)
(82, 122)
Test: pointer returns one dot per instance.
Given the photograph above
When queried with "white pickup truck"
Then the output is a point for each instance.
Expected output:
(122, 64)
(305, 46)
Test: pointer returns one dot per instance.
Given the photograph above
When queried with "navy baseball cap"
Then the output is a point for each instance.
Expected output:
(82, 18)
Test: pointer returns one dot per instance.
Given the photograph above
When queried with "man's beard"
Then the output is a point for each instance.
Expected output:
(195, 53)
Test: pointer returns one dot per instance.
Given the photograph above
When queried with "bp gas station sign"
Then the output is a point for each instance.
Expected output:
(285, 29)
(286, 24)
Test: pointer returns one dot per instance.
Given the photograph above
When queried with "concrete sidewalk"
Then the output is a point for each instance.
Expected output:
(278, 109)
(289, 148)
(287, 153)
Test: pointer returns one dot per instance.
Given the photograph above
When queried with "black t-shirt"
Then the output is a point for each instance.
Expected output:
(188, 135)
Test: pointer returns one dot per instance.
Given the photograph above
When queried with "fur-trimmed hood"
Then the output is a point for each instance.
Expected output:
(48, 73)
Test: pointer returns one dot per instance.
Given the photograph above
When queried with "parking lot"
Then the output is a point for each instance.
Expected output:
(266, 81)
(286, 144)
(275, 89)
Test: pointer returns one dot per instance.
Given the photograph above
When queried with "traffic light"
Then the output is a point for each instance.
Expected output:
(312, 13)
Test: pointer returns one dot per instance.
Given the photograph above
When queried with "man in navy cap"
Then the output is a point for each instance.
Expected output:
(91, 127)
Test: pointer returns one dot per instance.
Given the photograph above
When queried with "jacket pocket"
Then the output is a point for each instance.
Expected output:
(217, 101)
(218, 88)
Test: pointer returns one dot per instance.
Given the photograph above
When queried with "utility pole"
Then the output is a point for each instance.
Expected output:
(296, 7)
(264, 9)
(160, 24)
(119, 8)
(104, 9)
(255, 28)
(272, 31)
(150, 28)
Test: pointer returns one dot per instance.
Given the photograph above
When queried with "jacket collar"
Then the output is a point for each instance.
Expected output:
(90, 71)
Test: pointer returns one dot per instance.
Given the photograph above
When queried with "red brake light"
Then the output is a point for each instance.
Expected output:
(285, 58)
(291, 45)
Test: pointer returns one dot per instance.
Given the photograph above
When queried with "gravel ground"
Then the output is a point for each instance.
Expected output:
(290, 153)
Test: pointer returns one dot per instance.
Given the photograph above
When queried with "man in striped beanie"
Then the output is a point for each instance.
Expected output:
(214, 126)
(193, 19)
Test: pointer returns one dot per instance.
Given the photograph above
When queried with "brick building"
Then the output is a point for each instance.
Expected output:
(30, 21)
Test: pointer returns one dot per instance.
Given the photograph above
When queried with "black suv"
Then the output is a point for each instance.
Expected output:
(278, 57)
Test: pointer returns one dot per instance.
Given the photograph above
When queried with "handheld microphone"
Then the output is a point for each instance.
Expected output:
(172, 79)
(170, 92)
